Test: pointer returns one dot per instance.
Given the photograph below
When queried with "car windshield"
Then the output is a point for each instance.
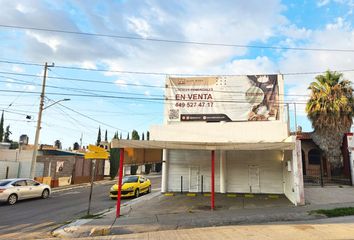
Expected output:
(130, 179)
(4, 182)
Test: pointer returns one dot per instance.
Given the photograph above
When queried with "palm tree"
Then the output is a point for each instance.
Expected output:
(330, 109)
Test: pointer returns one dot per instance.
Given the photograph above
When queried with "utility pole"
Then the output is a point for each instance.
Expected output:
(41, 105)
(295, 117)
(81, 141)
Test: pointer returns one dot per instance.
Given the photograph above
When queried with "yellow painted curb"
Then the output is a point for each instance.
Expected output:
(273, 196)
(191, 194)
(231, 195)
(169, 194)
(249, 195)
(207, 195)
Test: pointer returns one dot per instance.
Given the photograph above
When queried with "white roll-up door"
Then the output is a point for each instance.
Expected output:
(254, 171)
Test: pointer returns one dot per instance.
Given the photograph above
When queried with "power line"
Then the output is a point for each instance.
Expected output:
(88, 117)
(167, 74)
(112, 83)
(177, 41)
(146, 99)
(74, 89)
(15, 112)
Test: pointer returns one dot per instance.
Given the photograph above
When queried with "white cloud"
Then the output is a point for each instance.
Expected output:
(139, 26)
(258, 65)
(17, 69)
(29, 88)
(121, 83)
(89, 65)
(52, 42)
(338, 36)
(322, 3)
(207, 21)
(338, 24)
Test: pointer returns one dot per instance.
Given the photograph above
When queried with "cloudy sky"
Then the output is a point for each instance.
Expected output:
(123, 101)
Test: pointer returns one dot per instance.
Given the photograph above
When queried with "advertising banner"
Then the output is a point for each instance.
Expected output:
(223, 98)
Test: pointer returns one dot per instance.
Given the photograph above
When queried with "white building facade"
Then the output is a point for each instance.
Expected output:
(246, 114)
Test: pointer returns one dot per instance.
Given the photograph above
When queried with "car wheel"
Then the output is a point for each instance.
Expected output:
(45, 193)
(137, 193)
(149, 189)
(12, 199)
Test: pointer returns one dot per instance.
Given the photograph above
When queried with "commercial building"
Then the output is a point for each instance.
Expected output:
(228, 135)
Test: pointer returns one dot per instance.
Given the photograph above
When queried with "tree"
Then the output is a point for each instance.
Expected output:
(114, 159)
(147, 135)
(2, 127)
(7, 134)
(135, 135)
(76, 146)
(105, 136)
(330, 110)
(143, 137)
(128, 136)
(120, 136)
(98, 137)
(57, 143)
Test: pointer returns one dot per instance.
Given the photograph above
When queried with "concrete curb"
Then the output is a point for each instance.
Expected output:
(71, 230)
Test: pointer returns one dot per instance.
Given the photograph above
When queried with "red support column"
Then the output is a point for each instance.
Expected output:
(212, 179)
(120, 175)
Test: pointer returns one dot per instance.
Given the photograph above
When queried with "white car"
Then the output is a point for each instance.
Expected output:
(12, 190)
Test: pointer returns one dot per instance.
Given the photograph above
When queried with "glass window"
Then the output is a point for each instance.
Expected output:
(31, 183)
(19, 183)
(314, 157)
(130, 179)
(4, 182)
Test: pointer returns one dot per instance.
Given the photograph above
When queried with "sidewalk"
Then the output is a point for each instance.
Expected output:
(289, 232)
(156, 212)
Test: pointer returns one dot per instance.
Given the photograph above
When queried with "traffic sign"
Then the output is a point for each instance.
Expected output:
(96, 152)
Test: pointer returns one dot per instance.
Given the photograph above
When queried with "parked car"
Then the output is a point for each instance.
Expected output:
(12, 190)
(132, 186)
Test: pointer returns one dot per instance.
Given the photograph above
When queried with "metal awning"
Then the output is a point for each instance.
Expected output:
(152, 144)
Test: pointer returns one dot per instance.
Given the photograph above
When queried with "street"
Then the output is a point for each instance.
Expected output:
(35, 218)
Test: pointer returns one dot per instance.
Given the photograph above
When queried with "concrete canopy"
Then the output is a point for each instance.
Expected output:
(152, 144)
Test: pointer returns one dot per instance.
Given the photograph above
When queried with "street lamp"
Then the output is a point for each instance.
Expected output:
(36, 139)
(62, 100)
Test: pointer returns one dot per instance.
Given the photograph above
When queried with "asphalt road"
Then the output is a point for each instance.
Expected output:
(36, 218)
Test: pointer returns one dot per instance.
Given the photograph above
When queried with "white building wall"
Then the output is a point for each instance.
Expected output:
(11, 167)
(23, 159)
(192, 165)
(268, 163)
(260, 131)
(289, 189)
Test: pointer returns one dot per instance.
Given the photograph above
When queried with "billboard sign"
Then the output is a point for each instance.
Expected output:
(223, 98)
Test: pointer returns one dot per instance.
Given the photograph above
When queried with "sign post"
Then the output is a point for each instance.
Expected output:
(120, 175)
(93, 170)
(93, 154)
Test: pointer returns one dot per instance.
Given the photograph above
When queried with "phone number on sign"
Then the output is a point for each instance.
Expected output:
(193, 104)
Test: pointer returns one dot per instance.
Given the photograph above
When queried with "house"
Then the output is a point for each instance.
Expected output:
(62, 167)
(316, 167)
